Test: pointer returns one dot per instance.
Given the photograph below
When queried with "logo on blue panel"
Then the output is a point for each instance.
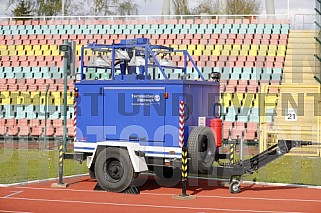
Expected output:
(145, 99)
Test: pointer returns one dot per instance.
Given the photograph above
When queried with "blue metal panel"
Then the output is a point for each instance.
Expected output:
(202, 101)
(126, 114)
(176, 94)
(89, 113)
(137, 112)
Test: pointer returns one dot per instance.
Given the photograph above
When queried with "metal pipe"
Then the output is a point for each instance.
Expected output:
(65, 98)
(232, 145)
(63, 8)
(270, 8)
(288, 9)
(151, 17)
(241, 146)
(46, 115)
(73, 60)
(166, 7)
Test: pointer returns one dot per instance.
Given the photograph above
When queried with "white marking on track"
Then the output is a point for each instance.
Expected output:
(198, 196)
(145, 205)
(10, 211)
(12, 194)
(245, 198)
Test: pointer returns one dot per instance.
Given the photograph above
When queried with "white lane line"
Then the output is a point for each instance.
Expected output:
(244, 198)
(199, 196)
(12, 194)
(191, 177)
(57, 189)
(8, 211)
(145, 205)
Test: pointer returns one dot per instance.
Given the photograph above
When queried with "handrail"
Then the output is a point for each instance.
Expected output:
(150, 17)
(295, 19)
(303, 21)
(143, 16)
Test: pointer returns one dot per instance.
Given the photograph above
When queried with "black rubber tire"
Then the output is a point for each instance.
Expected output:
(114, 170)
(201, 149)
(92, 174)
(167, 176)
(235, 187)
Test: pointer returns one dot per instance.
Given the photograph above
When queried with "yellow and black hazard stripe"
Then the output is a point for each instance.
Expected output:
(232, 153)
(184, 164)
(61, 154)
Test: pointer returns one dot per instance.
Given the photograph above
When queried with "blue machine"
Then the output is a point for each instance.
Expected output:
(144, 111)
(132, 118)
(129, 120)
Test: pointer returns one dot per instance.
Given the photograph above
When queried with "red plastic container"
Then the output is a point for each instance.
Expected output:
(216, 126)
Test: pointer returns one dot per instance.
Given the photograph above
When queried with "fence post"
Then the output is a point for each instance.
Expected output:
(184, 172)
(231, 143)
(241, 146)
(60, 183)
(183, 195)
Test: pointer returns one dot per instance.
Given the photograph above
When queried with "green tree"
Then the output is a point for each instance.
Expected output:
(227, 7)
(46, 7)
(127, 8)
(22, 9)
(206, 7)
(180, 7)
(241, 7)
(87, 7)
(110, 7)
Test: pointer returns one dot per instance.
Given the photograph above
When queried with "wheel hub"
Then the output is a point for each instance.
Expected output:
(204, 143)
(235, 187)
(203, 147)
(114, 170)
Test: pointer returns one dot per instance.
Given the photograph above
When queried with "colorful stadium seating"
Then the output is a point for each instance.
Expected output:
(246, 52)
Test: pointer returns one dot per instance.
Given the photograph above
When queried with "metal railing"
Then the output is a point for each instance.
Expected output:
(303, 22)
(297, 21)
(153, 17)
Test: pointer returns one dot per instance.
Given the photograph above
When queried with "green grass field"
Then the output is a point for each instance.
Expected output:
(290, 169)
(18, 165)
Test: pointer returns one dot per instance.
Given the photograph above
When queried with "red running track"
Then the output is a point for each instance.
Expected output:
(80, 197)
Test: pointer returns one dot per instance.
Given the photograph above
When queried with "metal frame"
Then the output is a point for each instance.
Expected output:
(149, 54)
(253, 164)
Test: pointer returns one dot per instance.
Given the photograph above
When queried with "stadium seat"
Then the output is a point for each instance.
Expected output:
(29, 53)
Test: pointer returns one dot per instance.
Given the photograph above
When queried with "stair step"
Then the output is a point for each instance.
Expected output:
(303, 34)
(301, 45)
(301, 63)
(299, 51)
(301, 40)
(302, 69)
(289, 57)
